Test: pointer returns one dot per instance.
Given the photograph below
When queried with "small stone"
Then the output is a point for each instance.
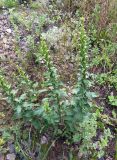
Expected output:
(10, 156)
(2, 35)
(5, 21)
(11, 147)
(44, 140)
(9, 30)
(5, 40)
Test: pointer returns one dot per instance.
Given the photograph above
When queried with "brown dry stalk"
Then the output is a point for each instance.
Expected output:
(103, 14)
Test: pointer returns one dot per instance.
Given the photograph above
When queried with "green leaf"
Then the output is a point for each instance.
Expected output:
(36, 124)
(18, 109)
(91, 94)
(113, 100)
(38, 112)
(42, 91)
(22, 97)
(76, 137)
(14, 92)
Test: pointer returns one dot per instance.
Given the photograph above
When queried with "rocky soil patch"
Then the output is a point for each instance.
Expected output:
(7, 49)
(7, 54)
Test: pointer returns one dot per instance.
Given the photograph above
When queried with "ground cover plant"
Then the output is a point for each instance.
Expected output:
(58, 94)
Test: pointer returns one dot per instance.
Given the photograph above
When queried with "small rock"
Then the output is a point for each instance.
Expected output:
(2, 35)
(44, 140)
(11, 147)
(5, 40)
(5, 22)
(10, 156)
(9, 30)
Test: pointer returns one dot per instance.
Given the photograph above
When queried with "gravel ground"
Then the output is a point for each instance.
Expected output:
(6, 38)
(7, 49)
(7, 52)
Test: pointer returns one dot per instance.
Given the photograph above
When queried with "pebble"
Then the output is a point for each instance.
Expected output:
(44, 140)
(5, 40)
(9, 30)
(11, 156)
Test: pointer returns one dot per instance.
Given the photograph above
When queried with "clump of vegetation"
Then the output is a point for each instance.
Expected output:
(8, 3)
(72, 114)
